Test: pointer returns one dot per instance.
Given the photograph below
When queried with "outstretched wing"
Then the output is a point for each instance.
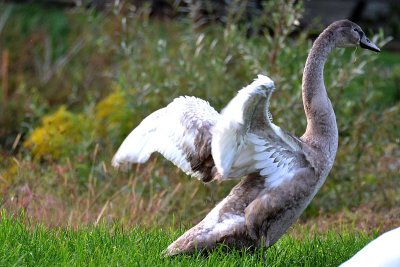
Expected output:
(207, 145)
(230, 148)
(180, 132)
(245, 140)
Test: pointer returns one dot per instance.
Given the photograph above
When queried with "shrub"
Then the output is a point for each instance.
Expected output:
(113, 117)
(61, 134)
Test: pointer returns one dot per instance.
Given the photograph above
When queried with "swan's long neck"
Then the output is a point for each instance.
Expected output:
(321, 129)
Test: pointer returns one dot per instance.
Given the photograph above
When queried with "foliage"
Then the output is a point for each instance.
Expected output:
(112, 69)
(113, 117)
(113, 245)
(64, 134)
(61, 134)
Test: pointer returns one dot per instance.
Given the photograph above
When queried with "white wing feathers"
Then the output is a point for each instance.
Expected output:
(207, 145)
(275, 158)
(246, 141)
(171, 131)
(228, 144)
(138, 145)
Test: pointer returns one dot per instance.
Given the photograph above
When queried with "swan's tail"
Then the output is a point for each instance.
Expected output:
(201, 237)
(218, 227)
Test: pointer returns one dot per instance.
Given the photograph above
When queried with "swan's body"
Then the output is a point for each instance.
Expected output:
(381, 252)
(282, 173)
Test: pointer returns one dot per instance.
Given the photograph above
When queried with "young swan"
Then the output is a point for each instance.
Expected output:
(282, 173)
(383, 251)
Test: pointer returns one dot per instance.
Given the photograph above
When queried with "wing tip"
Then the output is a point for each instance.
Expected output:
(261, 85)
(115, 163)
(120, 164)
(265, 81)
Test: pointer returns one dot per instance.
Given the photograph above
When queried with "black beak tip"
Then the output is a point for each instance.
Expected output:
(370, 46)
(375, 49)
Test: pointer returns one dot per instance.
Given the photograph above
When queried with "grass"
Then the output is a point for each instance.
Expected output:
(114, 245)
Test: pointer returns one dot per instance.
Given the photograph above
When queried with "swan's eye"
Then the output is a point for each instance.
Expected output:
(360, 33)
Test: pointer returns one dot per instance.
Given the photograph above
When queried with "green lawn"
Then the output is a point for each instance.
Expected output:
(111, 245)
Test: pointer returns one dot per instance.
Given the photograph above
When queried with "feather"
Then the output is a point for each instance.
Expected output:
(229, 133)
(172, 131)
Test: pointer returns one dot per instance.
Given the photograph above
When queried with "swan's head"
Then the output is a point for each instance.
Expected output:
(349, 34)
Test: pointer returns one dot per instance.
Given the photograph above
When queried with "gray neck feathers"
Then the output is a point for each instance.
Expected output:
(321, 129)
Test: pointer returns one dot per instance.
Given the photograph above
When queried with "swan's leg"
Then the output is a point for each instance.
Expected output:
(215, 228)
(223, 224)
(204, 237)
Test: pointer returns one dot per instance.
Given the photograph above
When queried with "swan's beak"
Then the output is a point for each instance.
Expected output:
(367, 44)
